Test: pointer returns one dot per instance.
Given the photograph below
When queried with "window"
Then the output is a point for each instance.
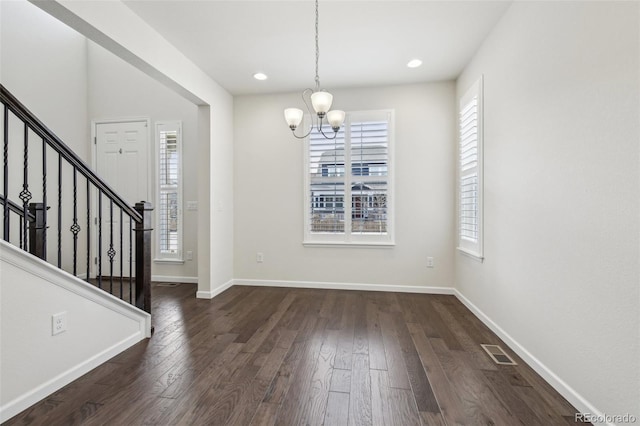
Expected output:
(169, 206)
(355, 166)
(470, 172)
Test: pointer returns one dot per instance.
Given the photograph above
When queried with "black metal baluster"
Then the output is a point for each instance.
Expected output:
(25, 195)
(6, 177)
(44, 198)
(131, 260)
(21, 219)
(121, 263)
(75, 228)
(111, 252)
(59, 210)
(99, 260)
(88, 230)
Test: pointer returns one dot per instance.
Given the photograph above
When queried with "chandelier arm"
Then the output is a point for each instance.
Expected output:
(304, 136)
(335, 134)
(310, 92)
(307, 90)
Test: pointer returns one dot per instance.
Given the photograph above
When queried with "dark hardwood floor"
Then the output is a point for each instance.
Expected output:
(278, 356)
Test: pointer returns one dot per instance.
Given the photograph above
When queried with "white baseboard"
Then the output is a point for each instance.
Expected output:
(172, 279)
(580, 403)
(344, 286)
(213, 293)
(25, 401)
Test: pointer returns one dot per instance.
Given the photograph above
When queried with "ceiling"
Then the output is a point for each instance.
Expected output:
(362, 43)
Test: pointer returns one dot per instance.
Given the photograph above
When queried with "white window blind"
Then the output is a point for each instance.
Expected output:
(470, 172)
(169, 206)
(355, 166)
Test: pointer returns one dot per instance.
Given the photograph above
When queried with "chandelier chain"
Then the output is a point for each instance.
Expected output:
(317, 51)
(335, 118)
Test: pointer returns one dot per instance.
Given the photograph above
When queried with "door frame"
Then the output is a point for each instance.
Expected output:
(94, 166)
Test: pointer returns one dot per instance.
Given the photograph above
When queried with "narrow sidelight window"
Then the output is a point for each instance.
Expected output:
(470, 230)
(169, 205)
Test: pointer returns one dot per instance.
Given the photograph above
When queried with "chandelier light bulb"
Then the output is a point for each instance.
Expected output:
(293, 116)
(321, 102)
(335, 119)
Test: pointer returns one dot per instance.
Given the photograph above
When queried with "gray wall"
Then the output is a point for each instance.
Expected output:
(269, 194)
(561, 267)
(118, 90)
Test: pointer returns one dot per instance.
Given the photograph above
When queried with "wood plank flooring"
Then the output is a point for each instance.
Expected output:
(278, 356)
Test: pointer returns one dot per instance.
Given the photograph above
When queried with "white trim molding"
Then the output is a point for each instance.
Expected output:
(25, 401)
(345, 286)
(577, 400)
(470, 254)
(200, 294)
(172, 279)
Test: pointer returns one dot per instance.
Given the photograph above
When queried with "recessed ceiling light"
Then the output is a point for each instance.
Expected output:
(260, 76)
(414, 63)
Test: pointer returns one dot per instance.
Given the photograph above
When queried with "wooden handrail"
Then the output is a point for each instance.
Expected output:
(15, 207)
(54, 142)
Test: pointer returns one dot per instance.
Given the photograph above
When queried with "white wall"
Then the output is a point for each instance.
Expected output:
(118, 90)
(561, 267)
(33, 362)
(115, 27)
(43, 63)
(269, 194)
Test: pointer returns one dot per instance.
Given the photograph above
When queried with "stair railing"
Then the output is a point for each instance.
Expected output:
(55, 228)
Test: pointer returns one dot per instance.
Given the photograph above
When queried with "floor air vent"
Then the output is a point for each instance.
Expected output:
(167, 284)
(498, 355)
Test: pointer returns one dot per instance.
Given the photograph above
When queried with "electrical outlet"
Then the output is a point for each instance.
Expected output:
(189, 255)
(429, 262)
(259, 257)
(58, 323)
(192, 205)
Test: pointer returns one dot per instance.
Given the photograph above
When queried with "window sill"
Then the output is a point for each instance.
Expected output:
(359, 244)
(473, 255)
(169, 261)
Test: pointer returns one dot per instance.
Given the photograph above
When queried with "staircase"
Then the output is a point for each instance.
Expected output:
(71, 249)
(48, 198)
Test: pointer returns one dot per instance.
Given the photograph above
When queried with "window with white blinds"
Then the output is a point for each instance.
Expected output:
(169, 178)
(348, 182)
(470, 172)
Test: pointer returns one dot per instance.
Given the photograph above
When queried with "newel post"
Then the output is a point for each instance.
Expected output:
(143, 256)
(37, 228)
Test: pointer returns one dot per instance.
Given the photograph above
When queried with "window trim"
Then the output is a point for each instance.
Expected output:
(177, 258)
(473, 250)
(349, 239)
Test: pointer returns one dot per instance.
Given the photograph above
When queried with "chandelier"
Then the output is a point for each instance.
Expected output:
(321, 102)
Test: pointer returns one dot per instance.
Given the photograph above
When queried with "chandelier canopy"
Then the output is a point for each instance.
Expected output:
(321, 102)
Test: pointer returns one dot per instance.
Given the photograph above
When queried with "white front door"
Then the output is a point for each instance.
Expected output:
(122, 162)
